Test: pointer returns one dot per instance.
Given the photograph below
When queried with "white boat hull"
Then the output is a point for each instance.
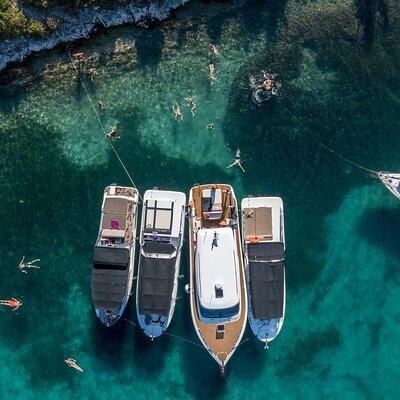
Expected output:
(391, 181)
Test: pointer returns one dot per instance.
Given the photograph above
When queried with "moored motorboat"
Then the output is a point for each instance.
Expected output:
(217, 283)
(161, 238)
(114, 253)
(264, 253)
(391, 181)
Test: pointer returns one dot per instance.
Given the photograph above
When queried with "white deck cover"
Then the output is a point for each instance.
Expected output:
(217, 265)
(165, 199)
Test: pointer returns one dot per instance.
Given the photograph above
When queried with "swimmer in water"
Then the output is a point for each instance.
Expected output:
(215, 49)
(211, 71)
(23, 266)
(91, 73)
(210, 126)
(71, 362)
(12, 303)
(191, 103)
(113, 134)
(237, 161)
(178, 113)
(101, 107)
(79, 56)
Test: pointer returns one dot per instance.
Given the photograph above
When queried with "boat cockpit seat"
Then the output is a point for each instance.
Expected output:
(211, 200)
(114, 221)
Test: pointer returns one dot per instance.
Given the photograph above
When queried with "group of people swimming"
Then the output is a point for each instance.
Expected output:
(191, 101)
(13, 303)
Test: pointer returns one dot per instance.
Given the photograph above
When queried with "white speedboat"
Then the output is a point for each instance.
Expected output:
(264, 250)
(161, 238)
(391, 181)
(114, 253)
(217, 283)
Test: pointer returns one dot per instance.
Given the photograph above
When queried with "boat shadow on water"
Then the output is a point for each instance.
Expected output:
(380, 227)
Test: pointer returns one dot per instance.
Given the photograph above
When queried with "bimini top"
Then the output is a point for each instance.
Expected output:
(109, 277)
(217, 280)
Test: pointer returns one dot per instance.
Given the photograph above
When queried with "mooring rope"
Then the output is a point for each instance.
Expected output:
(170, 334)
(324, 146)
(102, 126)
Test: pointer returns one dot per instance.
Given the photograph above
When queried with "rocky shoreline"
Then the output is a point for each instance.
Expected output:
(82, 24)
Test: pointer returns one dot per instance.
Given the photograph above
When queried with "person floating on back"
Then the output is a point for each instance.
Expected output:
(23, 266)
(237, 161)
(12, 303)
(71, 362)
(178, 113)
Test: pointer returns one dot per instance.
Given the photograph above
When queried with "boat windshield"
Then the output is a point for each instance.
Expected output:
(152, 247)
(219, 313)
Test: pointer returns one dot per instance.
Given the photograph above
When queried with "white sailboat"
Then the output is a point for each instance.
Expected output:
(391, 181)
(264, 252)
(161, 238)
(114, 253)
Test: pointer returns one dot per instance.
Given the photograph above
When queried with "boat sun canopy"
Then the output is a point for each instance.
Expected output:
(109, 277)
(217, 282)
(156, 282)
(267, 289)
(266, 251)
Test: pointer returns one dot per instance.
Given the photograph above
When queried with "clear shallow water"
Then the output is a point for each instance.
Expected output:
(341, 330)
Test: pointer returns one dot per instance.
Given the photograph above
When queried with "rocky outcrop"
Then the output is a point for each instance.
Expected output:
(82, 24)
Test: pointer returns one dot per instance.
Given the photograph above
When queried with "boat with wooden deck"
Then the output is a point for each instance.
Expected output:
(217, 283)
(264, 250)
(161, 239)
(114, 253)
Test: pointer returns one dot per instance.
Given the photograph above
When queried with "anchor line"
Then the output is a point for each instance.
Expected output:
(324, 146)
(172, 335)
(103, 128)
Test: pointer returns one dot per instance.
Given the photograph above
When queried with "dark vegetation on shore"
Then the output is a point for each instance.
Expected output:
(19, 17)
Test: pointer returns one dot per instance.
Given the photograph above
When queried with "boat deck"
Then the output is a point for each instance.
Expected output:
(220, 345)
(118, 214)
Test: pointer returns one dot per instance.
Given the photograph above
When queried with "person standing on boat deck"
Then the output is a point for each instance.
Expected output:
(178, 113)
(215, 241)
(24, 265)
(237, 161)
(233, 221)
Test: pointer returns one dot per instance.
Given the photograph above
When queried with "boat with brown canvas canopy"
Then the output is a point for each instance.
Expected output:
(114, 253)
(264, 253)
(217, 282)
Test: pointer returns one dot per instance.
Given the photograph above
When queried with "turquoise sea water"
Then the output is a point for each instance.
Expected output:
(339, 66)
